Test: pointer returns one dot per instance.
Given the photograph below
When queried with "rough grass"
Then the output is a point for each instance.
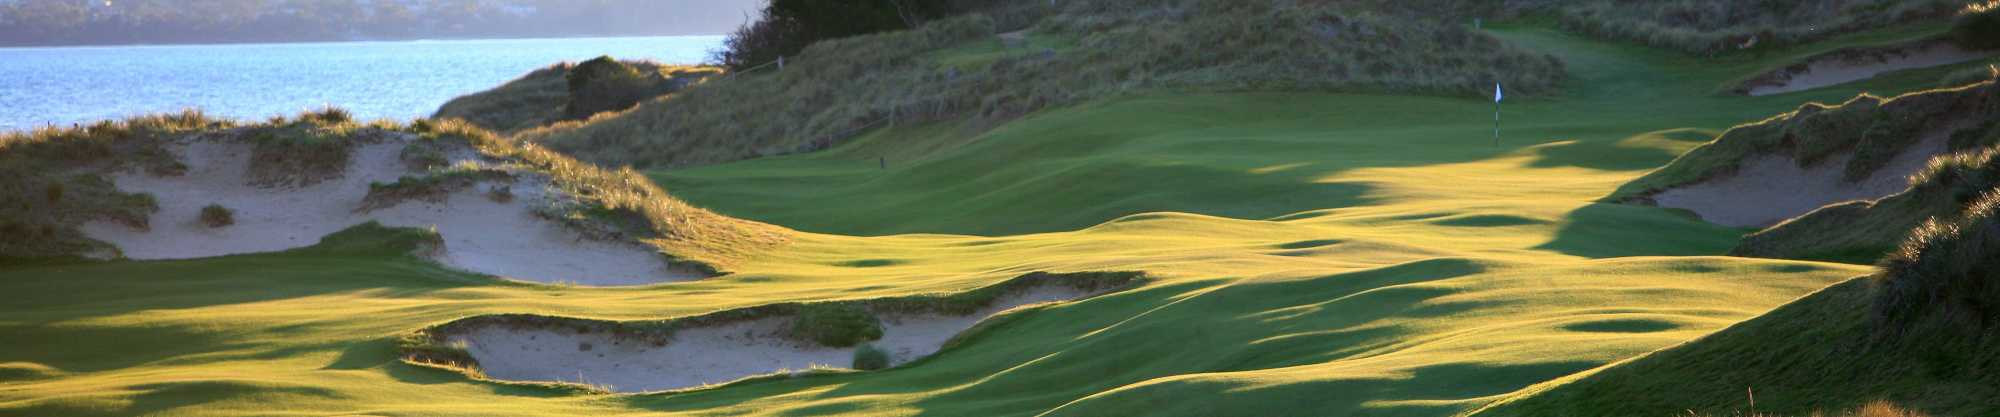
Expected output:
(547, 95)
(1093, 49)
(1712, 27)
(1874, 129)
(1944, 278)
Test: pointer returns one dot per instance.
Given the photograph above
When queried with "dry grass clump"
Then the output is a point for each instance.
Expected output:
(1711, 27)
(216, 216)
(625, 199)
(545, 96)
(54, 171)
(434, 186)
(1946, 275)
(1091, 49)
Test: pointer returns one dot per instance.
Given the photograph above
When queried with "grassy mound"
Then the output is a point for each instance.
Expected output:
(1920, 332)
(1874, 129)
(1711, 27)
(570, 91)
(311, 148)
(960, 69)
(48, 173)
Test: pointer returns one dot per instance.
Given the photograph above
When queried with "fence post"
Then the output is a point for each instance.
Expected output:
(781, 62)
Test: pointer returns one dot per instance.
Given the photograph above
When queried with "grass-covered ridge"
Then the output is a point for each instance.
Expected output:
(1872, 128)
(946, 70)
(1919, 332)
(559, 92)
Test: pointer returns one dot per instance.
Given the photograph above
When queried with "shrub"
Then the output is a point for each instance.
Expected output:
(215, 215)
(1978, 28)
(500, 194)
(868, 358)
(785, 27)
(835, 325)
(603, 84)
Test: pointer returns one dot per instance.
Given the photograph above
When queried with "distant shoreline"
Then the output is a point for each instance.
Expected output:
(325, 41)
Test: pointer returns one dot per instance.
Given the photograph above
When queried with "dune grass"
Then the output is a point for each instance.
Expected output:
(1388, 259)
(45, 173)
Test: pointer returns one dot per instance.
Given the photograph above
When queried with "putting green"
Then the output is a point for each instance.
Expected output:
(1321, 254)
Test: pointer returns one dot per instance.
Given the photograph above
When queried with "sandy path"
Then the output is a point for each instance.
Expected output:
(481, 235)
(709, 355)
(1768, 189)
(1835, 70)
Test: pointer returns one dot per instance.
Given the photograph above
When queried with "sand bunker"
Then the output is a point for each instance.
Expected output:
(1767, 189)
(1850, 65)
(481, 234)
(709, 355)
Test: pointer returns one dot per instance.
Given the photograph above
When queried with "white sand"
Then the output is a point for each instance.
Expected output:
(1768, 189)
(709, 355)
(480, 235)
(1835, 70)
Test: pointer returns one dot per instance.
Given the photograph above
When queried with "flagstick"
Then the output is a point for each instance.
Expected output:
(1496, 124)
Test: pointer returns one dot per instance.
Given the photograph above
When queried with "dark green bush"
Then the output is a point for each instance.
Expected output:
(215, 215)
(603, 84)
(1978, 28)
(869, 358)
(836, 325)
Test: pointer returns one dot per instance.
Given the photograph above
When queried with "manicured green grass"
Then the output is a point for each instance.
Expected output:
(1309, 254)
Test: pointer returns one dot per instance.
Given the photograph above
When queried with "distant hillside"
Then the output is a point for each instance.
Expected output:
(69, 22)
(989, 70)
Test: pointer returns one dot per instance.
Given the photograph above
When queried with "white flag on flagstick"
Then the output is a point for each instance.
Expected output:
(1496, 92)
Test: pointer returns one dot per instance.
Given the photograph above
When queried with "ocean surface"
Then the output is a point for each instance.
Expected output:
(397, 80)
